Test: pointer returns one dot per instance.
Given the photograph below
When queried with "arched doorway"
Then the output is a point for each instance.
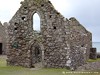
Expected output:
(36, 55)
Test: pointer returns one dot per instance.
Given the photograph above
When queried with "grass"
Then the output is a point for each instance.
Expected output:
(93, 60)
(12, 70)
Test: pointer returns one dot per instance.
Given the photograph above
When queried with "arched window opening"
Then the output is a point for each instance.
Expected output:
(36, 23)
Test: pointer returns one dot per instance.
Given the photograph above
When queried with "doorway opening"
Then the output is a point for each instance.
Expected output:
(0, 48)
(37, 55)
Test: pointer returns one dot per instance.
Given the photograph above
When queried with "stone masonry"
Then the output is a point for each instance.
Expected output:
(93, 53)
(89, 66)
(63, 43)
(3, 39)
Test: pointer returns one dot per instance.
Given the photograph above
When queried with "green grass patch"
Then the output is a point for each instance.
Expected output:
(13, 70)
(93, 60)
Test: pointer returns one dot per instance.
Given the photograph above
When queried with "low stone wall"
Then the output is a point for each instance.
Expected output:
(89, 66)
(93, 54)
(98, 55)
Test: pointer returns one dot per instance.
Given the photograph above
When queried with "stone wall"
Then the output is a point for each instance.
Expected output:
(98, 54)
(3, 37)
(89, 66)
(93, 53)
(61, 38)
(80, 43)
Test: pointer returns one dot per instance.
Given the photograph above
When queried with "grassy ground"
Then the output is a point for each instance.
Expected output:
(11, 70)
(91, 60)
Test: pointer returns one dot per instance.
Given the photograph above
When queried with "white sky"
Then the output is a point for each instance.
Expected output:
(9, 7)
(86, 11)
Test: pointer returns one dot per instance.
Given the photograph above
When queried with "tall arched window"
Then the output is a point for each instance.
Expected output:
(36, 22)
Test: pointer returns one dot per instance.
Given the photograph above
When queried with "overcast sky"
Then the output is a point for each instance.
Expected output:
(87, 12)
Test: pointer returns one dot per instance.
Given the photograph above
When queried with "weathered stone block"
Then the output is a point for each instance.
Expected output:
(98, 55)
(93, 53)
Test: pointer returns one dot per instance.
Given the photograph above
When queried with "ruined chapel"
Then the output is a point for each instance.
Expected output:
(63, 43)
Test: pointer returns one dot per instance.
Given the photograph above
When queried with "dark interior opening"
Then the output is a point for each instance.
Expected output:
(82, 45)
(49, 2)
(16, 23)
(0, 48)
(16, 28)
(42, 5)
(23, 18)
(50, 16)
(54, 27)
(37, 51)
(25, 7)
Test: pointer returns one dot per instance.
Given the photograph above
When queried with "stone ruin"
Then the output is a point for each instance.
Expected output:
(93, 53)
(3, 38)
(62, 42)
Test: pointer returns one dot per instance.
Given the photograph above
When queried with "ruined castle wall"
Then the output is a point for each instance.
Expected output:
(54, 30)
(80, 43)
(65, 43)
